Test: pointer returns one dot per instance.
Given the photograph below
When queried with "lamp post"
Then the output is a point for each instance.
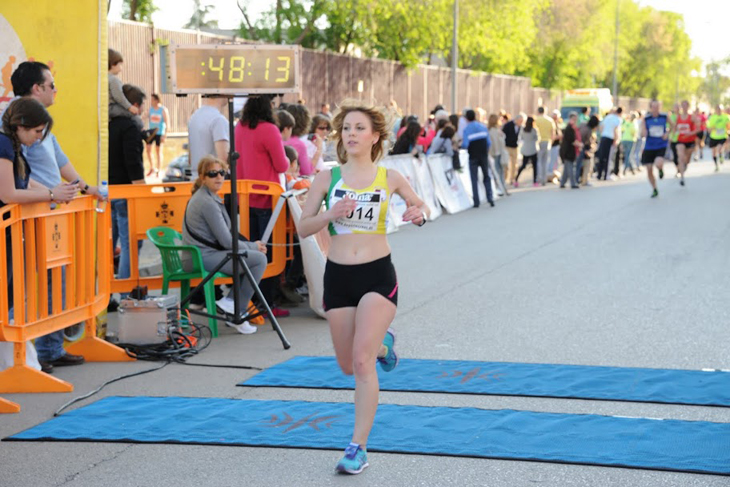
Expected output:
(615, 58)
(454, 56)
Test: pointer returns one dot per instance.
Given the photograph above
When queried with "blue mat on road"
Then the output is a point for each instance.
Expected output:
(691, 387)
(683, 446)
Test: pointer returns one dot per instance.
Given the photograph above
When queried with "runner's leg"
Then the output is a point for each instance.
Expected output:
(342, 330)
(374, 315)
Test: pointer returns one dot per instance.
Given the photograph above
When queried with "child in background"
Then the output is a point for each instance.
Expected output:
(293, 179)
(119, 106)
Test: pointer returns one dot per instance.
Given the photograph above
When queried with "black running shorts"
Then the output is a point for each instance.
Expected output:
(716, 142)
(345, 285)
(651, 155)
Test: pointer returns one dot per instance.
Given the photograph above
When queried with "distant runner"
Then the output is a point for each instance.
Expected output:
(686, 128)
(654, 128)
(717, 126)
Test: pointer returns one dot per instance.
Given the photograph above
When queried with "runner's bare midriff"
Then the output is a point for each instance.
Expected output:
(352, 249)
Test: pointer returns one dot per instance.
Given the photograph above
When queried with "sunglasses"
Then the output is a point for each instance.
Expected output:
(212, 174)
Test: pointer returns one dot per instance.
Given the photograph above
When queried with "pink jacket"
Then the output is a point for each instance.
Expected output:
(262, 157)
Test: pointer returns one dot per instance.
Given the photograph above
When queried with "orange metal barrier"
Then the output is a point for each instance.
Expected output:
(164, 204)
(46, 241)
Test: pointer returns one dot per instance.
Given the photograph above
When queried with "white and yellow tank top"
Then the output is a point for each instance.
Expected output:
(370, 215)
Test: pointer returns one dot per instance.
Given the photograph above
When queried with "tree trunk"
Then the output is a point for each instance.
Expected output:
(277, 28)
(133, 10)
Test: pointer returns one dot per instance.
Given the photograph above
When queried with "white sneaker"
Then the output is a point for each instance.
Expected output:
(226, 304)
(303, 289)
(244, 328)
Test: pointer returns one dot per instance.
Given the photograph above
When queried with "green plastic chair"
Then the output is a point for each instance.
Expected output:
(168, 241)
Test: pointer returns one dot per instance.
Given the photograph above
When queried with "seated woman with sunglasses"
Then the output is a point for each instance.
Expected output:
(207, 226)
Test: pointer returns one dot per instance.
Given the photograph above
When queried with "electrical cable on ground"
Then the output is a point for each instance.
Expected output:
(178, 348)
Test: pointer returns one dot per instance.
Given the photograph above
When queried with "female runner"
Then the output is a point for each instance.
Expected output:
(360, 286)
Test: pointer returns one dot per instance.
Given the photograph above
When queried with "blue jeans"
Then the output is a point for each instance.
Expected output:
(579, 165)
(474, 165)
(120, 218)
(50, 347)
(626, 146)
(569, 174)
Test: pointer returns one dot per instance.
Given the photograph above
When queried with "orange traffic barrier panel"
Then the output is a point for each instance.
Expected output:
(154, 205)
(8, 406)
(53, 250)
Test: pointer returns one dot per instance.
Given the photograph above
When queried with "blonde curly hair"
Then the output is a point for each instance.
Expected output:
(380, 118)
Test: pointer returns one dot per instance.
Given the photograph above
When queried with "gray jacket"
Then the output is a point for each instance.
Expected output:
(207, 218)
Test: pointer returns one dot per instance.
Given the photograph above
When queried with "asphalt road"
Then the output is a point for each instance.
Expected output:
(596, 276)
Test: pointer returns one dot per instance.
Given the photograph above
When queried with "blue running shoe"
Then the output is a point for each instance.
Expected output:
(390, 360)
(354, 461)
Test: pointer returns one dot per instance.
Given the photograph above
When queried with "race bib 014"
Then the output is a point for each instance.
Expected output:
(366, 215)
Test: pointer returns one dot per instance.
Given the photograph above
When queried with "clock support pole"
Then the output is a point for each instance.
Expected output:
(236, 256)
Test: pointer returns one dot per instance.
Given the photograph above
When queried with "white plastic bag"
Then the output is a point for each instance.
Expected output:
(7, 360)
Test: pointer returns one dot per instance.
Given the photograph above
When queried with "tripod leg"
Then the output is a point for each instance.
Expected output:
(200, 287)
(257, 291)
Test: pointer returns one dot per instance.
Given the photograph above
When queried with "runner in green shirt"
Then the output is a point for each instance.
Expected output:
(717, 125)
(673, 136)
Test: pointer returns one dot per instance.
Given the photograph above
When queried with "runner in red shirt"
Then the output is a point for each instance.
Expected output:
(686, 127)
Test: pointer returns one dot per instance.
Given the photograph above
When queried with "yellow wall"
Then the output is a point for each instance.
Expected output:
(71, 37)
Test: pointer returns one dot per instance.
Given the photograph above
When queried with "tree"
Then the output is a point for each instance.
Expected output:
(496, 35)
(288, 22)
(139, 10)
(559, 44)
(714, 87)
(197, 20)
(660, 65)
(350, 23)
(570, 45)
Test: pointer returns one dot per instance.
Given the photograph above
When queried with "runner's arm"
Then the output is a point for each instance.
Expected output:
(417, 211)
(313, 220)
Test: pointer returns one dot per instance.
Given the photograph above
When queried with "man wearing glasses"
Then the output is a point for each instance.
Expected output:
(49, 166)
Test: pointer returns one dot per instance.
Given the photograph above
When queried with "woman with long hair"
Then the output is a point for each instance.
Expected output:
(494, 125)
(530, 139)
(360, 286)
(408, 140)
(206, 225)
(25, 122)
(442, 143)
(258, 140)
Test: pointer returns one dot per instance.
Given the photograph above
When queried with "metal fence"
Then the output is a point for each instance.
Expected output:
(329, 78)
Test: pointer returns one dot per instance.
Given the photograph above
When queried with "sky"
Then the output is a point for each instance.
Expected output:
(704, 19)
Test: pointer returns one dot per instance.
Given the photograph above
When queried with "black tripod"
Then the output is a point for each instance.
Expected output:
(236, 255)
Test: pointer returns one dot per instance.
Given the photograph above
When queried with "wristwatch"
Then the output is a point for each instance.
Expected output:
(85, 189)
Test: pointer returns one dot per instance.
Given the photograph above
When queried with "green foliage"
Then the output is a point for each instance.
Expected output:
(660, 65)
(496, 35)
(139, 10)
(559, 44)
(716, 83)
(197, 20)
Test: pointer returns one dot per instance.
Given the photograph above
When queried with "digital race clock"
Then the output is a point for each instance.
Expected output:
(234, 69)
